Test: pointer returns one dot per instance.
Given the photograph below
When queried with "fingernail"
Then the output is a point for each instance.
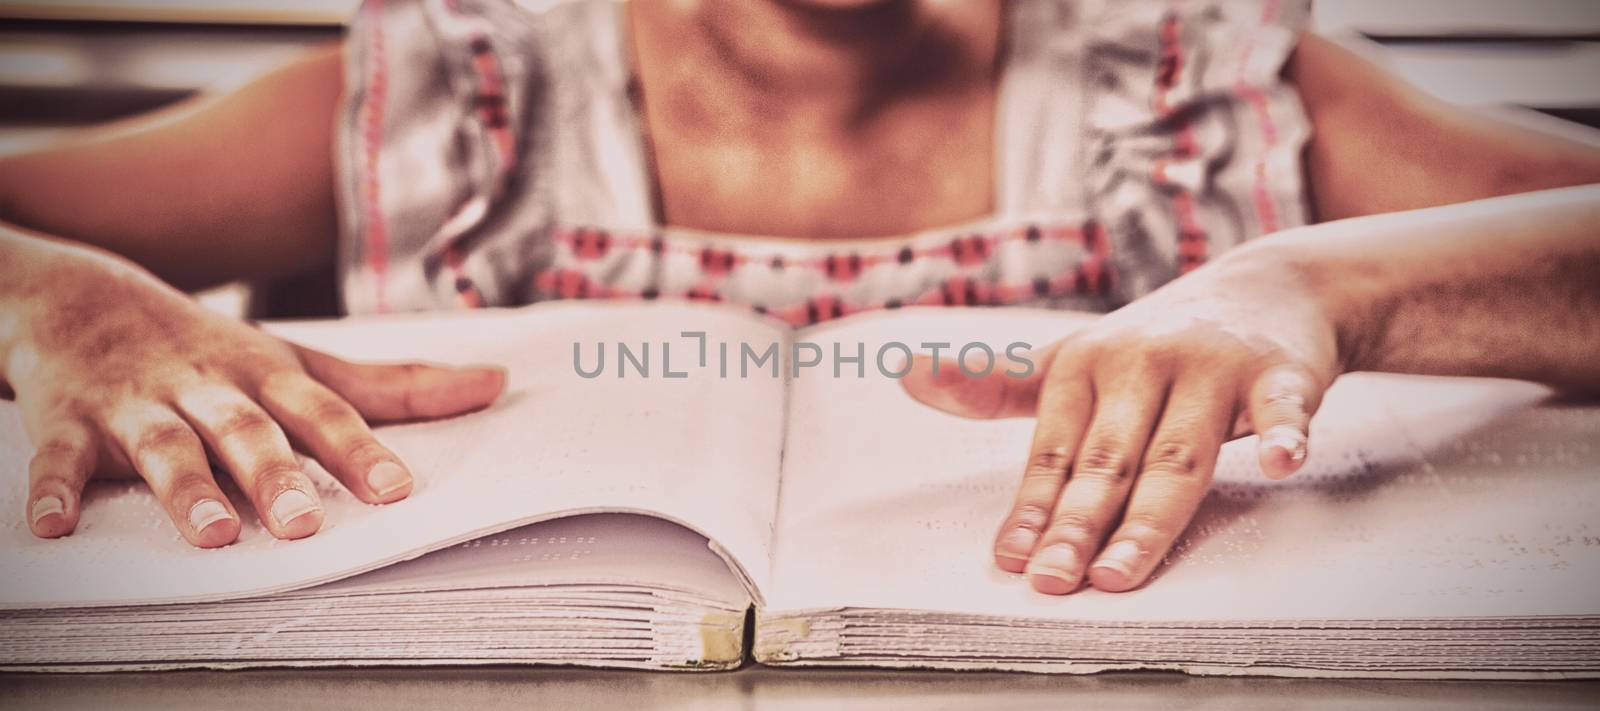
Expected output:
(1121, 557)
(1058, 561)
(1288, 439)
(290, 505)
(46, 506)
(386, 478)
(206, 512)
(1018, 543)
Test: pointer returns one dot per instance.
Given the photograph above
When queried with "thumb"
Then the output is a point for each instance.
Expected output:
(405, 391)
(942, 385)
(1281, 402)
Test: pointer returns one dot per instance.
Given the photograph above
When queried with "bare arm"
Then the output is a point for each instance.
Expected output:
(1380, 145)
(1499, 288)
(1133, 410)
(116, 372)
(235, 187)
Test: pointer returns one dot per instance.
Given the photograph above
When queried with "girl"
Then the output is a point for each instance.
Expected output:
(806, 159)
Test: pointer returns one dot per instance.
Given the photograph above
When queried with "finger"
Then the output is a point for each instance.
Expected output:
(334, 433)
(56, 476)
(407, 391)
(1007, 391)
(1282, 400)
(1127, 403)
(1242, 426)
(1064, 408)
(252, 448)
(1173, 477)
(164, 450)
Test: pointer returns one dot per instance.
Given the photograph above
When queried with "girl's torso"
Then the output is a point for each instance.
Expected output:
(494, 154)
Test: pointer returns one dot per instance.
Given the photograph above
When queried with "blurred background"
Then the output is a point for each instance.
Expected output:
(69, 63)
(65, 63)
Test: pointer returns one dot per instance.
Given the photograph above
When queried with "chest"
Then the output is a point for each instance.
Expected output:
(912, 168)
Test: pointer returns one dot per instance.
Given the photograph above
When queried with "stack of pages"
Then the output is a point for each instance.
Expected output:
(603, 515)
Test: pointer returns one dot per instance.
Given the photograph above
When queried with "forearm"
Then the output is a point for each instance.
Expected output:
(1504, 287)
(1379, 145)
(237, 187)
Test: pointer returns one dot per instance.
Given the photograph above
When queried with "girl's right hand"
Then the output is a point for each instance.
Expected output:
(117, 373)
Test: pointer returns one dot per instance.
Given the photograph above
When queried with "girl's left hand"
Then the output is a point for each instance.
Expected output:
(1133, 410)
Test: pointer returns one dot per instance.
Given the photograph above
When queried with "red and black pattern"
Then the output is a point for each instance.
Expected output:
(970, 250)
(1193, 242)
(569, 284)
(1266, 212)
(962, 291)
(843, 267)
(717, 262)
(590, 244)
(372, 136)
(1092, 275)
(489, 97)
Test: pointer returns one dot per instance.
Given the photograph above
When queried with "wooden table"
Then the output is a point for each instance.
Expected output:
(757, 688)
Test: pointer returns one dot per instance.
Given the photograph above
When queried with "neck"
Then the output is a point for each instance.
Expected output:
(811, 57)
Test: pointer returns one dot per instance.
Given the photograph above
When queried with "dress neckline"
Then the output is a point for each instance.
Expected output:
(626, 89)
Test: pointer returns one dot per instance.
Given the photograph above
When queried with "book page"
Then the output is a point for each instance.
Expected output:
(1422, 498)
(700, 450)
(591, 549)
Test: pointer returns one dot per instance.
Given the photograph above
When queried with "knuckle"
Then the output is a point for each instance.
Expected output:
(362, 449)
(326, 408)
(1051, 462)
(1139, 352)
(1088, 345)
(283, 385)
(162, 438)
(242, 421)
(190, 487)
(1150, 527)
(277, 466)
(62, 467)
(1285, 405)
(43, 467)
(405, 373)
(53, 451)
(1160, 350)
(1104, 460)
(43, 477)
(1073, 356)
(1073, 527)
(1030, 516)
(276, 477)
(1174, 458)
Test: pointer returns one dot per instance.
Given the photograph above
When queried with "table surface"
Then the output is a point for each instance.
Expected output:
(755, 688)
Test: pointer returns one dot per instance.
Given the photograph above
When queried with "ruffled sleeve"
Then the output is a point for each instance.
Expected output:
(1193, 138)
(438, 113)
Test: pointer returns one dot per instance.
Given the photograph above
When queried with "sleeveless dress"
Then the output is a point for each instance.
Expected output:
(490, 153)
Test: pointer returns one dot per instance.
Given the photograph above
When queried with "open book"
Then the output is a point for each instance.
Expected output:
(630, 519)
